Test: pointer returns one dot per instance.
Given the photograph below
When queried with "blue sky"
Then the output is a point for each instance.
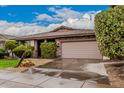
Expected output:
(27, 13)
(39, 18)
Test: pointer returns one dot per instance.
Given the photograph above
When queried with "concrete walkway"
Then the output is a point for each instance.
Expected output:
(24, 80)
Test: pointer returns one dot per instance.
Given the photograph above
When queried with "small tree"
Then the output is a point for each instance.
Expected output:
(20, 50)
(10, 44)
(109, 28)
(24, 55)
(23, 51)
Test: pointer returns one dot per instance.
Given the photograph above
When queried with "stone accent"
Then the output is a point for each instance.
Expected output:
(106, 58)
(58, 53)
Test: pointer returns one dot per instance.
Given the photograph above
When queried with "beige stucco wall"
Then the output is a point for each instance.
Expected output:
(30, 43)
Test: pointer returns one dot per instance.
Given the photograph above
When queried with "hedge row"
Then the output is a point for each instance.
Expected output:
(109, 28)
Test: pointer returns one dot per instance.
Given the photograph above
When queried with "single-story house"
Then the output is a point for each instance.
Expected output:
(3, 38)
(72, 43)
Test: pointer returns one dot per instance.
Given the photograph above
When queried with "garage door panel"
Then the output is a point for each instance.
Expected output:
(80, 50)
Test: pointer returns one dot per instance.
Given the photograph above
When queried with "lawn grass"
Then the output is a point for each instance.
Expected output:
(4, 63)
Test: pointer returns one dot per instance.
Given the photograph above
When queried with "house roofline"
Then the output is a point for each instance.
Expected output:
(50, 35)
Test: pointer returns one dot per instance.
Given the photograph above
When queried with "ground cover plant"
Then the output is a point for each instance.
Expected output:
(4, 63)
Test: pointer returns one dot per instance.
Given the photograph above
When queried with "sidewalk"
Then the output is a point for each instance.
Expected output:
(23, 80)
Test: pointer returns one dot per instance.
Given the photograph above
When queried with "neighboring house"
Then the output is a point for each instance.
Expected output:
(3, 38)
(72, 43)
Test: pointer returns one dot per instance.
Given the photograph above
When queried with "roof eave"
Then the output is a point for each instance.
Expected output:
(57, 36)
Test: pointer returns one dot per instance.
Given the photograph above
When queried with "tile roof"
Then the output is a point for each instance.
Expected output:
(4, 37)
(57, 34)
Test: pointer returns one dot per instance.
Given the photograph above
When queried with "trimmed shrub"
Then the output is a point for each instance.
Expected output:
(2, 52)
(48, 49)
(30, 47)
(19, 50)
(29, 52)
(10, 44)
(109, 29)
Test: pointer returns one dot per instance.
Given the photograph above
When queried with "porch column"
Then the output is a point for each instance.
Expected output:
(35, 54)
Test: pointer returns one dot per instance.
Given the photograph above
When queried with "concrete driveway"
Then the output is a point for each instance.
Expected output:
(24, 80)
(10, 79)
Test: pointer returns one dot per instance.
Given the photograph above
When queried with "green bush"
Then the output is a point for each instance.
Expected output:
(48, 49)
(2, 52)
(19, 50)
(109, 29)
(29, 52)
(10, 44)
(30, 47)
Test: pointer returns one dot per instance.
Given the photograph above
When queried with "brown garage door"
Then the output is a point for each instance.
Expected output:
(81, 50)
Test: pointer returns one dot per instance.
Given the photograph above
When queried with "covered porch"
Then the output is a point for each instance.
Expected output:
(36, 44)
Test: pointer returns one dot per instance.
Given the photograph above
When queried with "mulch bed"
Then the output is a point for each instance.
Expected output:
(115, 71)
